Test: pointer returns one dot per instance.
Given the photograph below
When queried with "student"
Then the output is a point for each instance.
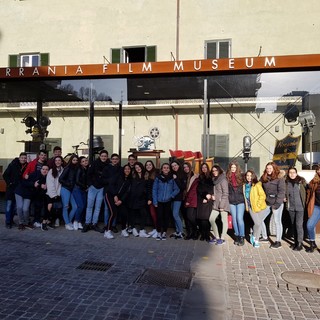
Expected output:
(236, 200)
(57, 152)
(79, 192)
(255, 201)
(190, 201)
(163, 191)
(132, 159)
(221, 204)
(150, 175)
(36, 164)
(138, 201)
(53, 194)
(313, 205)
(95, 192)
(204, 202)
(12, 176)
(180, 179)
(273, 184)
(68, 181)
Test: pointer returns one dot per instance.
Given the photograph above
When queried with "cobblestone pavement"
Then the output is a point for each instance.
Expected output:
(40, 279)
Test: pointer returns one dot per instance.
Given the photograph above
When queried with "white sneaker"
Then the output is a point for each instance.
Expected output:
(151, 233)
(143, 234)
(108, 234)
(69, 227)
(75, 225)
(80, 226)
(155, 235)
(37, 225)
(135, 232)
(124, 233)
(57, 223)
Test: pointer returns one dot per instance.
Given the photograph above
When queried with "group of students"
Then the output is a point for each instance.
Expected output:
(129, 195)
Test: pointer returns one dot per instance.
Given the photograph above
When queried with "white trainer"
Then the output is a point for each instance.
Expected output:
(155, 235)
(37, 225)
(135, 232)
(124, 233)
(80, 226)
(75, 225)
(57, 223)
(69, 227)
(143, 234)
(108, 234)
(152, 232)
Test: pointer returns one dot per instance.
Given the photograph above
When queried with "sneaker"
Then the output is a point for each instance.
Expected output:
(21, 226)
(164, 236)
(124, 233)
(143, 234)
(252, 239)
(108, 234)
(173, 235)
(80, 226)
(155, 235)
(179, 236)
(152, 232)
(37, 224)
(213, 240)
(256, 244)
(221, 242)
(75, 225)
(263, 240)
(57, 223)
(158, 236)
(129, 230)
(69, 227)
(86, 227)
(276, 245)
(135, 232)
(96, 228)
(44, 227)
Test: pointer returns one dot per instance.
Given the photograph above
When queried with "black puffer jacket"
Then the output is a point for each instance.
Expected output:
(95, 173)
(68, 177)
(12, 176)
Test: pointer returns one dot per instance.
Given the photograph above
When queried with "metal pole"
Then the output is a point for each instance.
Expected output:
(177, 30)
(311, 156)
(120, 130)
(91, 124)
(204, 140)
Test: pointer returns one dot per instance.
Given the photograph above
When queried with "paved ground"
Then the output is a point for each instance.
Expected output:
(40, 279)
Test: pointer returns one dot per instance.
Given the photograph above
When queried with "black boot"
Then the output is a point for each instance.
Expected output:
(86, 228)
(241, 241)
(312, 247)
(236, 240)
(298, 247)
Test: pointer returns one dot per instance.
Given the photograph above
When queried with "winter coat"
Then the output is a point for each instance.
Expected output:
(82, 178)
(109, 177)
(181, 182)
(191, 192)
(257, 198)
(26, 188)
(296, 193)
(53, 185)
(221, 193)
(68, 177)
(95, 173)
(275, 191)
(311, 194)
(138, 193)
(32, 167)
(164, 189)
(205, 186)
(12, 176)
(123, 188)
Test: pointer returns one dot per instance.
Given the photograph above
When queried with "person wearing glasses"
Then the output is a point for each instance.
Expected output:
(221, 204)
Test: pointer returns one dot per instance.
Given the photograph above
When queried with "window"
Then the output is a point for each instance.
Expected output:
(29, 60)
(218, 49)
(133, 54)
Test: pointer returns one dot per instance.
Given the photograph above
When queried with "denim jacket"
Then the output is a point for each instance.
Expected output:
(164, 190)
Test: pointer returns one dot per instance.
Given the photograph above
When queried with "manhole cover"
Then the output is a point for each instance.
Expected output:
(302, 279)
(165, 278)
(92, 265)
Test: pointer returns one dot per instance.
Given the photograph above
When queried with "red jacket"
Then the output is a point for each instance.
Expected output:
(191, 192)
(31, 167)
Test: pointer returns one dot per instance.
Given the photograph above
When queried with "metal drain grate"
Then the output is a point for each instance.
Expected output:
(301, 279)
(96, 266)
(165, 278)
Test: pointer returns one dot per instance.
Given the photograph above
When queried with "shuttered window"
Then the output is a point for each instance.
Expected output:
(218, 49)
(28, 60)
(134, 54)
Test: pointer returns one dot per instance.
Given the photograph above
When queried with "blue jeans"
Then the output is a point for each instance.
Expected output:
(312, 222)
(277, 213)
(10, 204)
(23, 208)
(95, 198)
(80, 198)
(237, 212)
(66, 198)
(176, 215)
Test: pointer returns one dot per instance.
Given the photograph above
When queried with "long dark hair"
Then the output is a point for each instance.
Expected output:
(205, 175)
(254, 178)
(135, 175)
(180, 172)
(70, 164)
(55, 172)
(152, 173)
